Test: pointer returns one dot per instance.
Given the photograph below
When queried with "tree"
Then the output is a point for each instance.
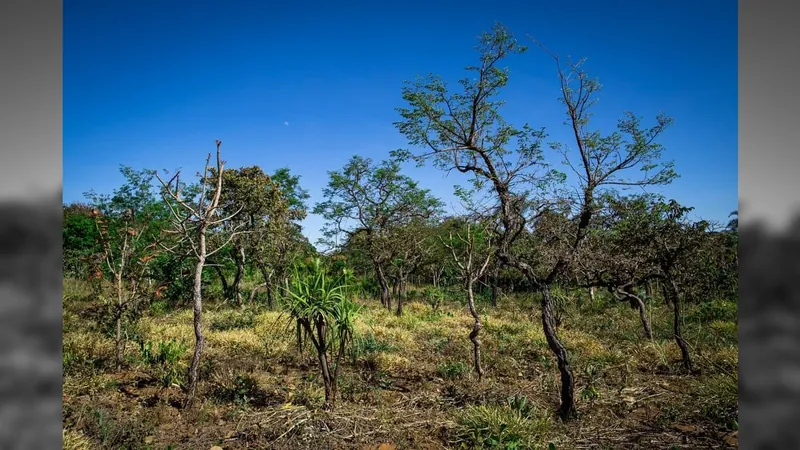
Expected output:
(192, 217)
(262, 210)
(613, 256)
(471, 251)
(128, 227)
(411, 244)
(285, 242)
(323, 309)
(80, 239)
(733, 223)
(372, 200)
(465, 131)
(665, 245)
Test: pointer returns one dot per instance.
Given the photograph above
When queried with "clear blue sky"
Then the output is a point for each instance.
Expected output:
(153, 84)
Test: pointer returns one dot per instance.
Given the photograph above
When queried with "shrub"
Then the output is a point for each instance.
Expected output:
(717, 310)
(452, 369)
(164, 358)
(517, 425)
(321, 308)
(433, 296)
(243, 391)
(368, 344)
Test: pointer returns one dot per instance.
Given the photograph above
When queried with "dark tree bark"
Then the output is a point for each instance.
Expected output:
(239, 257)
(386, 299)
(267, 284)
(626, 293)
(226, 290)
(671, 295)
(567, 409)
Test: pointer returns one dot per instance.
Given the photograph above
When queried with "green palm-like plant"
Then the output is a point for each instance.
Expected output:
(321, 307)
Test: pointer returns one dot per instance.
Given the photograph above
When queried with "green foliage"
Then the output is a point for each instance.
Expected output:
(243, 391)
(159, 307)
(367, 344)
(322, 306)
(519, 403)
(716, 310)
(164, 357)
(453, 369)
(80, 239)
(433, 296)
(231, 320)
(502, 427)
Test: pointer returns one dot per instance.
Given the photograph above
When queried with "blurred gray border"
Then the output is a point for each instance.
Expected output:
(31, 127)
(769, 190)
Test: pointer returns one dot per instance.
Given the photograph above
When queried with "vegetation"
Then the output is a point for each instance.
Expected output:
(491, 338)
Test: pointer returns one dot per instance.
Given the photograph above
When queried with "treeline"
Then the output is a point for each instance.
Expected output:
(523, 227)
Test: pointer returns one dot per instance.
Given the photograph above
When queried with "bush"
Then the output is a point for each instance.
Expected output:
(717, 310)
(433, 296)
(517, 425)
(368, 344)
(453, 369)
(243, 391)
(164, 358)
(159, 308)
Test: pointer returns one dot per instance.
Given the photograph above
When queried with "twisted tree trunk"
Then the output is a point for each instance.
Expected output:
(567, 409)
(476, 329)
(671, 295)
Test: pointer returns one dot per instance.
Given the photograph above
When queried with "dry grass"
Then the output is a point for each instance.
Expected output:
(407, 381)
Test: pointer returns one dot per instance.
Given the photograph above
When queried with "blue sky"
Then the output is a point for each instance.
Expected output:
(153, 84)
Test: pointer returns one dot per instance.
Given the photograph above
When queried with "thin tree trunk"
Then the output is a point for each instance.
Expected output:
(401, 295)
(327, 378)
(270, 295)
(637, 303)
(476, 329)
(226, 290)
(267, 283)
(118, 314)
(671, 293)
(386, 299)
(239, 257)
(197, 295)
(120, 302)
(495, 289)
(567, 409)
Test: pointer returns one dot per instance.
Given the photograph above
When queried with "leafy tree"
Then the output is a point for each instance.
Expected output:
(128, 225)
(80, 239)
(285, 241)
(733, 223)
(257, 208)
(661, 243)
(373, 200)
(465, 131)
(412, 244)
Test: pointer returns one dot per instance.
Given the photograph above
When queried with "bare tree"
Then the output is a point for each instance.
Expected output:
(467, 255)
(192, 219)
